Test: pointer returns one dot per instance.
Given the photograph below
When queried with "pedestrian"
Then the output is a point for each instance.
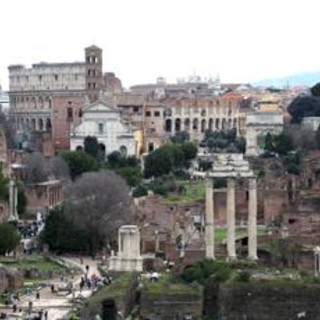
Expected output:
(46, 315)
(38, 295)
(14, 308)
(52, 288)
(87, 268)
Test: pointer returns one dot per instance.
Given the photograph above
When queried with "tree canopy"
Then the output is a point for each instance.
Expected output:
(169, 157)
(79, 162)
(9, 238)
(304, 106)
(91, 146)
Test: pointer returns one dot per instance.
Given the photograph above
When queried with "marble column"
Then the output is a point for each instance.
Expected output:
(209, 220)
(13, 200)
(231, 225)
(252, 220)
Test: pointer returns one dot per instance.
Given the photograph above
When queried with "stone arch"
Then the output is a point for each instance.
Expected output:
(210, 126)
(195, 124)
(40, 102)
(34, 102)
(48, 102)
(217, 124)
(187, 124)
(177, 125)
(234, 123)
(168, 125)
(40, 124)
(223, 124)
(48, 124)
(123, 150)
(33, 124)
(79, 148)
(203, 125)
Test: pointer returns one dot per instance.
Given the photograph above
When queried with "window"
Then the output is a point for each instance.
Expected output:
(135, 108)
(40, 78)
(69, 113)
(100, 128)
(56, 77)
(157, 113)
(150, 146)
(148, 113)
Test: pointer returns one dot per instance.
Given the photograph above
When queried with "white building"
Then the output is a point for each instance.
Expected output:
(103, 120)
(258, 124)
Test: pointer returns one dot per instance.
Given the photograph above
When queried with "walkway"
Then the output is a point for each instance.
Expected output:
(56, 304)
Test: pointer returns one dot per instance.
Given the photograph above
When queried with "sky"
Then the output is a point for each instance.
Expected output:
(241, 40)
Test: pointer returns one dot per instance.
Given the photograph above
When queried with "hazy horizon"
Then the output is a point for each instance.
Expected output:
(242, 41)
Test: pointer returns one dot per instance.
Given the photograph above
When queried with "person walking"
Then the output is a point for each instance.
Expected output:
(38, 295)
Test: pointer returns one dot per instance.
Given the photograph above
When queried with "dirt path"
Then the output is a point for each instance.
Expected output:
(58, 305)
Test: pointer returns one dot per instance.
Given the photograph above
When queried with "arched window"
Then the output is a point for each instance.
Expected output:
(69, 113)
(168, 125)
(177, 125)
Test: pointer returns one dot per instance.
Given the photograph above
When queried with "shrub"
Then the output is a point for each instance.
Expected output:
(140, 191)
(243, 276)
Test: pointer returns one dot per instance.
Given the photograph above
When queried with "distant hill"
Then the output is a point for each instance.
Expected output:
(306, 78)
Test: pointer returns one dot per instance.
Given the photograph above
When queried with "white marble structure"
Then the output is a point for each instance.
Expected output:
(13, 200)
(230, 166)
(102, 119)
(311, 123)
(258, 124)
(128, 257)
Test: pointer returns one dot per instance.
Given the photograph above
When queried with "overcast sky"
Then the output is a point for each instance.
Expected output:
(242, 40)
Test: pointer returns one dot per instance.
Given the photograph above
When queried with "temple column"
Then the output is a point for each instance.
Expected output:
(231, 219)
(209, 220)
(13, 200)
(252, 220)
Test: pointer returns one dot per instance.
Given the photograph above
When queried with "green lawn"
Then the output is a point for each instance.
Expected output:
(193, 192)
(220, 234)
(167, 286)
(35, 266)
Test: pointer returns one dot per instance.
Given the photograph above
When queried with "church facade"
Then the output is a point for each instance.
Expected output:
(102, 119)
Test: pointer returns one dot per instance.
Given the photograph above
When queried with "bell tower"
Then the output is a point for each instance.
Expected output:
(94, 77)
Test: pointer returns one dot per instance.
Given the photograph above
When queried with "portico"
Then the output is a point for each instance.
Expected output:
(230, 166)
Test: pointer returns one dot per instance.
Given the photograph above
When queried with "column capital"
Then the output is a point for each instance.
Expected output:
(208, 181)
(253, 183)
(231, 182)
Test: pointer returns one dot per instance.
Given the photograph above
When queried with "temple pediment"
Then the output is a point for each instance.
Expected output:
(101, 106)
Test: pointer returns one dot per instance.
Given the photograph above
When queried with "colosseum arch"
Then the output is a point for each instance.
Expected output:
(33, 124)
(40, 124)
(48, 124)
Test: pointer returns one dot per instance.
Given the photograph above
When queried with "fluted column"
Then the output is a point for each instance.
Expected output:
(209, 221)
(231, 219)
(252, 220)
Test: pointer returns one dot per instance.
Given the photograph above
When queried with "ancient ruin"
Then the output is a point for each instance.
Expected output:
(230, 166)
(128, 257)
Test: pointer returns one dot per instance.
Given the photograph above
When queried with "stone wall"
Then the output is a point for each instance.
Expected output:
(10, 279)
(170, 306)
(268, 301)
